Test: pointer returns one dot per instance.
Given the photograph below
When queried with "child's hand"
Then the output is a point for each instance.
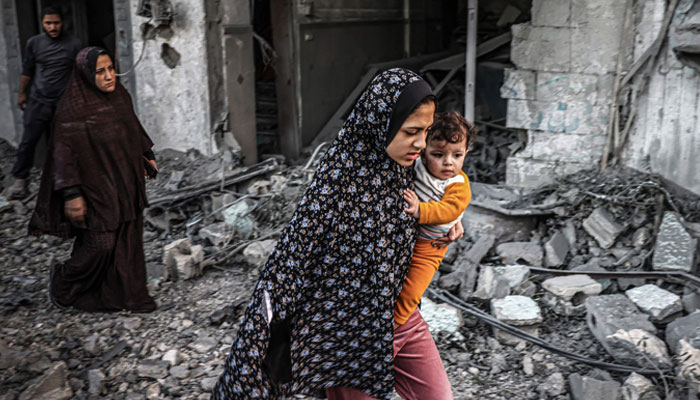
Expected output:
(412, 200)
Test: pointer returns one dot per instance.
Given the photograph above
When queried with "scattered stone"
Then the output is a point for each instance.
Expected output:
(566, 294)
(95, 381)
(608, 314)
(657, 302)
(519, 311)
(238, 216)
(491, 286)
(592, 267)
(528, 365)
(689, 365)
(53, 385)
(182, 259)
(153, 392)
(440, 317)
(203, 344)
(131, 324)
(691, 300)
(179, 371)
(218, 233)
(172, 356)
(154, 369)
(554, 385)
(587, 388)
(603, 227)
(685, 328)
(174, 180)
(208, 384)
(256, 253)
(90, 344)
(639, 347)
(675, 247)
(512, 252)
(637, 387)
(641, 237)
(4, 204)
(556, 249)
(516, 275)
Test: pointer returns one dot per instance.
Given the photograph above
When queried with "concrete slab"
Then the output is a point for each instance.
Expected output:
(551, 13)
(514, 274)
(686, 328)
(675, 247)
(603, 227)
(518, 84)
(572, 287)
(587, 388)
(691, 300)
(541, 48)
(516, 310)
(639, 347)
(440, 317)
(511, 252)
(637, 387)
(556, 249)
(491, 286)
(689, 358)
(657, 302)
(256, 253)
(528, 172)
(604, 283)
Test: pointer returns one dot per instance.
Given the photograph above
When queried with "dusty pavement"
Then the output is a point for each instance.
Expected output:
(178, 351)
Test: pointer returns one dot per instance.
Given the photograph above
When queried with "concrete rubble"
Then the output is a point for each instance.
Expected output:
(556, 249)
(657, 302)
(440, 317)
(689, 366)
(566, 294)
(588, 388)
(603, 227)
(675, 248)
(685, 328)
(639, 347)
(182, 259)
(638, 387)
(519, 311)
(512, 252)
(490, 285)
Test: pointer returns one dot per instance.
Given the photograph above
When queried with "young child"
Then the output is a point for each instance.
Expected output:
(443, 194)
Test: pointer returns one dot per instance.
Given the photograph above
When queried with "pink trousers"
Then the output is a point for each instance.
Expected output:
(418, 369)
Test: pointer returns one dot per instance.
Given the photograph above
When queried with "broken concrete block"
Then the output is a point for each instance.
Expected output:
(260, 186)
(603, 227)
(238, 216)
(5, 204)
(675, 248)
(637, 387)
(154, 369)
(641, 237)
(587, 388)
(480, 221)
(514, 274)
(566, 294)
(218, 234)
(689, 365)
(551, 13)
(685, 328)
(540, 48)
(639, 347)
(491, 286)
(556, 249)
(52, 385)
(181, 259)
(528, 172)
(95, 381)
(608, 314)
(511, 252)
(519, 311)
(440, 317)
(604, 283)
(256, 253)
(691, 300)
(657, 302)
(518, 84)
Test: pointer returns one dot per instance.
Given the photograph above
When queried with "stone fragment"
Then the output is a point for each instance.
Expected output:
(638, 347)
(516, 275)
(519, 311)
(657, 302)
(604, 283)
(179, 371)
(53, 385)
(566, 294)
(207, 384)
(685, 328)
(587, 388)
(256, 253)
(154, 369)
(637, 387)
(540, 48)
(511, 252)
(641, 237)
(528, 365)
(182, 259)
(556, 249)
(95, 381)
(218, 233)
(204, 344)
(546, 13)
(172, 356)
(153, 391)
(6, 205)
(607, 314)
(491, 286)
(239, 217)
(689, 365)
(90, 344)
(440, 317)
(481, 221)
(603, 227)
(553, 386)
(132, 324)
(675, 247)
(691, 300)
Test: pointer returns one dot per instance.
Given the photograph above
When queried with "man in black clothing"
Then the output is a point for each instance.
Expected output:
(47, 66)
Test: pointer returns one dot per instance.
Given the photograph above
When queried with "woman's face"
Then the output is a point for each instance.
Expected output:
(410, 139)
(104, 74)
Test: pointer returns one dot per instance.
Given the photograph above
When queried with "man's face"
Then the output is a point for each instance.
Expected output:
(52, 24)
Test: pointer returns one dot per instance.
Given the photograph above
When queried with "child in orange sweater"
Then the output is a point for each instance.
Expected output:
(443, 194)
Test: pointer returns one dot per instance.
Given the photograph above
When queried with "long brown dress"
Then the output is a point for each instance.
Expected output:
(97, 149)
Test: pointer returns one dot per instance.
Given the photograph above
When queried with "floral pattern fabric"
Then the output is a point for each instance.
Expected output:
(338, 267)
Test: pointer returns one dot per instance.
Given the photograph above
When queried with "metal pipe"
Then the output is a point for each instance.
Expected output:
(470, 78)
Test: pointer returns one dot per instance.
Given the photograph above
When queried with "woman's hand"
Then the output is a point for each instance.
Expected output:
(456, 232)
(75, 209)
(154, 165)
(413, 203)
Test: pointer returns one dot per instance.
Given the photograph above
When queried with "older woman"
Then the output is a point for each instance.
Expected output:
(320, 321)
(93, 188)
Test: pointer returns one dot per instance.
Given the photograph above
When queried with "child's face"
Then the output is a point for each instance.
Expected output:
(443, 159)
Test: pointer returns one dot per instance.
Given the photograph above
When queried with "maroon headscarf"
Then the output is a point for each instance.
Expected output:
(97, 144)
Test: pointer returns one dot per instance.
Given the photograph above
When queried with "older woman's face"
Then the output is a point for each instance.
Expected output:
(105, 80)
(410, 139)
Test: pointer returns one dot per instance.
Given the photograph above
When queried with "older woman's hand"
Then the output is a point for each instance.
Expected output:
(456, 232)
(75, 209)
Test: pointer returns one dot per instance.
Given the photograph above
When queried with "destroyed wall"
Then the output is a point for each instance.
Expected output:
(562, 85)
(665, 138)
(174, 101)
(10, 64)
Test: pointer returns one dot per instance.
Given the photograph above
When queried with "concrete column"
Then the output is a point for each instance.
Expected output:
(124, 47)
(10, 66)
(239, 68)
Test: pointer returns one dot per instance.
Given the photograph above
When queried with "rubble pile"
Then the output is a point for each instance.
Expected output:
(212, 223)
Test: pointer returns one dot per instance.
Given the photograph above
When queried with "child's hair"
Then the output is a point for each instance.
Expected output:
(452, 127)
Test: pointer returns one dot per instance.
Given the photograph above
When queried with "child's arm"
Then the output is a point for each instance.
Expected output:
(453, 203)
